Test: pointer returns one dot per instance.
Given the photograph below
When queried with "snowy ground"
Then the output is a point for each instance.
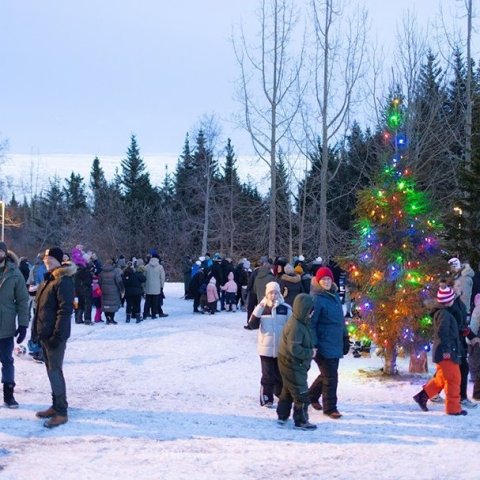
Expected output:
(176, 398)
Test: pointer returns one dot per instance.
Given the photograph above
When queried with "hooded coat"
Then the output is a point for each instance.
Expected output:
(110, 281)
(13, 298)
(212, 294)
(55, 303)
(464, 285)
(155, 277)
(296, 344)
(263, 276)
(290, 286)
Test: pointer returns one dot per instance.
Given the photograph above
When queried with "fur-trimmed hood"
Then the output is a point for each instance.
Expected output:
(12, 257)
(316, 289)
(67, 269)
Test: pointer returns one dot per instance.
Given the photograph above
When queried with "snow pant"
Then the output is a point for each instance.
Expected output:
(54, 364)
(160, 302)
(294, 390)
(252, 303)
(447, 377)
(325, 385)
(271, 380)
(85, 307)
(196, 301)
(474, 365)
(223, 297)
(150, 308)
(6, 359)
(212, 306)
(133, 305)
(231, 300)
(464, 378)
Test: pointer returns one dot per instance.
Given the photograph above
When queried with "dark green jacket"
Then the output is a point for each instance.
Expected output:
(296, 343)
(13, 297)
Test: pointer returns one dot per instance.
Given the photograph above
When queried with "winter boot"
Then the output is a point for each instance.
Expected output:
(128, 318)
(422, 398)
(48, 413)
(300, 417)
(8, 397)
(138, 318)
(56, 421)
(78, 316)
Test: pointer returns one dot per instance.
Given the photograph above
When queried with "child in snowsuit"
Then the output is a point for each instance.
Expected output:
(446, 354)
(212, 295)
(97, 299)
(230, 289)
(269, 317)
(295, 354)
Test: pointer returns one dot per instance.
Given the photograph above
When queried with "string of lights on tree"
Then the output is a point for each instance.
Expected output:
(396, 251)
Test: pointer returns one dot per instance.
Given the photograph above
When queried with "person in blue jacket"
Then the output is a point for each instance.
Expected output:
(330, 339)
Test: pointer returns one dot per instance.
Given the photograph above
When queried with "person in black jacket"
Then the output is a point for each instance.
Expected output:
(446, 353)
(133, 282)
(52, 326)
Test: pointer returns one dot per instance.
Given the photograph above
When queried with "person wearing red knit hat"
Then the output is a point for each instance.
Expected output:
(446, 353)
(330, 340)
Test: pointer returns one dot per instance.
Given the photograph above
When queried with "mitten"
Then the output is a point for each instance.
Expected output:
(21, 333)
(446, 356)
(346, 344)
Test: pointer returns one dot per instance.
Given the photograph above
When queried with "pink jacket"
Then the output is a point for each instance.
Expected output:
(230, 286)
(212, 294)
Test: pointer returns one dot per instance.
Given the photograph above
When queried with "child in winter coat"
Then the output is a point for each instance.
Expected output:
(230, 289)
(212, 295)
(97, 299)
(269, 317)
(295, 354)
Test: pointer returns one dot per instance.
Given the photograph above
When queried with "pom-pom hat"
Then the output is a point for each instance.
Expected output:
(55, 252)
(445, 295)
(272, 287)
(455, 263)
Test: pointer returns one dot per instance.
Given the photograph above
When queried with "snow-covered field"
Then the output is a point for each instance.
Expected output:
(176, 398)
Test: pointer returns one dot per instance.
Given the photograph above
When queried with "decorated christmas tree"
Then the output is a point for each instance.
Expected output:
(395, 258)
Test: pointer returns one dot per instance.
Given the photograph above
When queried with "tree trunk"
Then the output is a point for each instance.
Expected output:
(390, 361)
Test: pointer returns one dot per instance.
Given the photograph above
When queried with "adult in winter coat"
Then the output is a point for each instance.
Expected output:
(52, 326)
(329, 338)
(187, 274)
(13, 311)
(195, 286)
(155, 280)
(83, 288)
(110, 281)
(133, 281)
(445, 353)
(295, 353)
(463, 275)
(290, 284)
(474, 348)
(269, 317)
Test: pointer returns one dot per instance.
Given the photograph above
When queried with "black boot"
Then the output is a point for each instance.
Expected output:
(138, 318)
(8, 397)
(422, 398)
(78, 316)
(300, 417)
(128, 318)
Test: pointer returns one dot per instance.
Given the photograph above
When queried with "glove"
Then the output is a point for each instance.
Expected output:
(466, 331)
(53, 342)
(21, 333)
(346, 345)
(446, 356)
(475, 341)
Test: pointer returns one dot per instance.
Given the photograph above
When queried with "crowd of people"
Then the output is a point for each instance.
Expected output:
(299, 310)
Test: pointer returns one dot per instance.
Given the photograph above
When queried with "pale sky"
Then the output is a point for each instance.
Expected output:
(80, 77)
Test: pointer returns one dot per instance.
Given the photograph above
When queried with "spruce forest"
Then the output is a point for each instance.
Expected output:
(319, 153)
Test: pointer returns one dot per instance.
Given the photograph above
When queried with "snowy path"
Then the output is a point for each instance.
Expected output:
(176, 398)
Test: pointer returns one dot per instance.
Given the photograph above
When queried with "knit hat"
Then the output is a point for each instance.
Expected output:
(324, 272)
(445, 295)
(272, 287)
(318, 261)
(298, 269)
(246, 264)
(55, 252)
(3, 246)
(288, 269)
(198, 262)
(455, 263)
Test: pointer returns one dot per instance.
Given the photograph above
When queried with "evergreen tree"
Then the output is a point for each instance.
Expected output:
(396, 255)
(75, 194)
